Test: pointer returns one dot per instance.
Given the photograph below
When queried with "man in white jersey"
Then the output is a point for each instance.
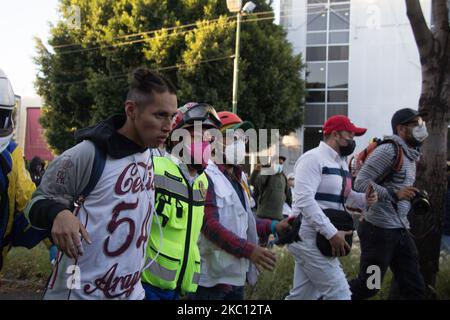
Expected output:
(102, 242)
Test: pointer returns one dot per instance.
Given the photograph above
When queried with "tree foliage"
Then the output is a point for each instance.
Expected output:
(83, 76)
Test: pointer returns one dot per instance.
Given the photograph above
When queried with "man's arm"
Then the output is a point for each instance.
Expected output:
(378, 163)
(215, 232)
(228, 241)
(52, 203)
(64, 180)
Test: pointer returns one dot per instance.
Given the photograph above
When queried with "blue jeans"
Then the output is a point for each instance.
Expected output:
(154, 293)
(215, 293)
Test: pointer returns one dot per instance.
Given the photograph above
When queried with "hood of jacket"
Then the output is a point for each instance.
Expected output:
(105, 135)
(410, 152)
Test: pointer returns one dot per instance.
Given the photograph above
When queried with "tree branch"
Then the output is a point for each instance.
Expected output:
(422, 34)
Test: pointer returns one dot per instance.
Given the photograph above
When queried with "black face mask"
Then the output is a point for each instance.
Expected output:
(348, 149)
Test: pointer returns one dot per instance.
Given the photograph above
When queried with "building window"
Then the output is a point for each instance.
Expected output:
(315, 96)
(338, 75)
(316, 53)
(311, 138)
(317, 19)
(316, 75)
(338, 96)
(334, 109)
(317, 1)
(327, 55)
(338, 53)
(316, 38)
(340, 17)
(339, 37)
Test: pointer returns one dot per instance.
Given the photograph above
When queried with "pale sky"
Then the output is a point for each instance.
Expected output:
(20, 21)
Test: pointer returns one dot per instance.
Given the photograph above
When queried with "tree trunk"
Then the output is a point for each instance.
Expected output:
(431, 177)
(434, 54)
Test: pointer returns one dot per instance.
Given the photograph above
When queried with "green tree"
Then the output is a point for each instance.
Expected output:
(83, 77)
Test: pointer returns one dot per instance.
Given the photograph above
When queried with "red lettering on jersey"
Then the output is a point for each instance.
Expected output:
(114, 286)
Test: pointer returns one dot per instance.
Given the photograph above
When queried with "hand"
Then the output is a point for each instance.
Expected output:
(263, 259)
(66, 234)
(406, 193)
(371, 196)
(283, 226)
(338, 243)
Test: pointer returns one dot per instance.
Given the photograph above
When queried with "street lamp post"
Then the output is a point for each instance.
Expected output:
(236, 63)
(236, 6)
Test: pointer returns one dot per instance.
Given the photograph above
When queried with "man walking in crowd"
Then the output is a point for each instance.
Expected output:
(385, 239)
(182, 190)
(272, 191)
(109, 176)
(229, 241)
(16, 186)
(322, 181)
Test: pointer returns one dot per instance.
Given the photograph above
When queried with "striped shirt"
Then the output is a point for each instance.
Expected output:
(383, 214)
(318, 186)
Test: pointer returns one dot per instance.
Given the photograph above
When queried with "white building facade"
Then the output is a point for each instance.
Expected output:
(361, 60)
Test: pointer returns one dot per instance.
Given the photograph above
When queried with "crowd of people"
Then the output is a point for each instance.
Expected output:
(129, 216)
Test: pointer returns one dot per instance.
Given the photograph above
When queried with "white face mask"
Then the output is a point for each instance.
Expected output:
(420, 132)
(4, 141)
(235, 153)
(278, 168)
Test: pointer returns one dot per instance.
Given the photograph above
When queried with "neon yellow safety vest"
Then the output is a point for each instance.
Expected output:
(180, 210)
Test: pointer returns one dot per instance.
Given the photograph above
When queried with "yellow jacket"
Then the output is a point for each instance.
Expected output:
(16, 188)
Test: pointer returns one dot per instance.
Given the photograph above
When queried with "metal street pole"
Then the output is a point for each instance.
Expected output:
(236, 63)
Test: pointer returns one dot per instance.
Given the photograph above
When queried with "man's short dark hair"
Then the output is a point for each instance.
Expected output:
(144, 83)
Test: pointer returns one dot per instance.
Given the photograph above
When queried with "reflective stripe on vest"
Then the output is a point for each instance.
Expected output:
(162, 272)
(177, 187)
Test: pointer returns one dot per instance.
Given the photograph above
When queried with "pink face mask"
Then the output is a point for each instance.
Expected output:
(200, 153)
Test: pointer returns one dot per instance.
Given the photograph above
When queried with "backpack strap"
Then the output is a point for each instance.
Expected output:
(396, 165)
(96, 173)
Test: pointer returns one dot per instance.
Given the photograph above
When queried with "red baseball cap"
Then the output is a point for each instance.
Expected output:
(341, 123)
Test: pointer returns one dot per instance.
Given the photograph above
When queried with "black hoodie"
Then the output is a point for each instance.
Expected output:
(105, 136)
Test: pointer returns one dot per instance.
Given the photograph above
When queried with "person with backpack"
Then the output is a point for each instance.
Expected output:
(272, 191)
(384, 233)
(16, 186)
(97, 198)
(182, 191)
(322, 190)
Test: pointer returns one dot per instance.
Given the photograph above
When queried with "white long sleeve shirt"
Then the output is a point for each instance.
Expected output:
(318, 186)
